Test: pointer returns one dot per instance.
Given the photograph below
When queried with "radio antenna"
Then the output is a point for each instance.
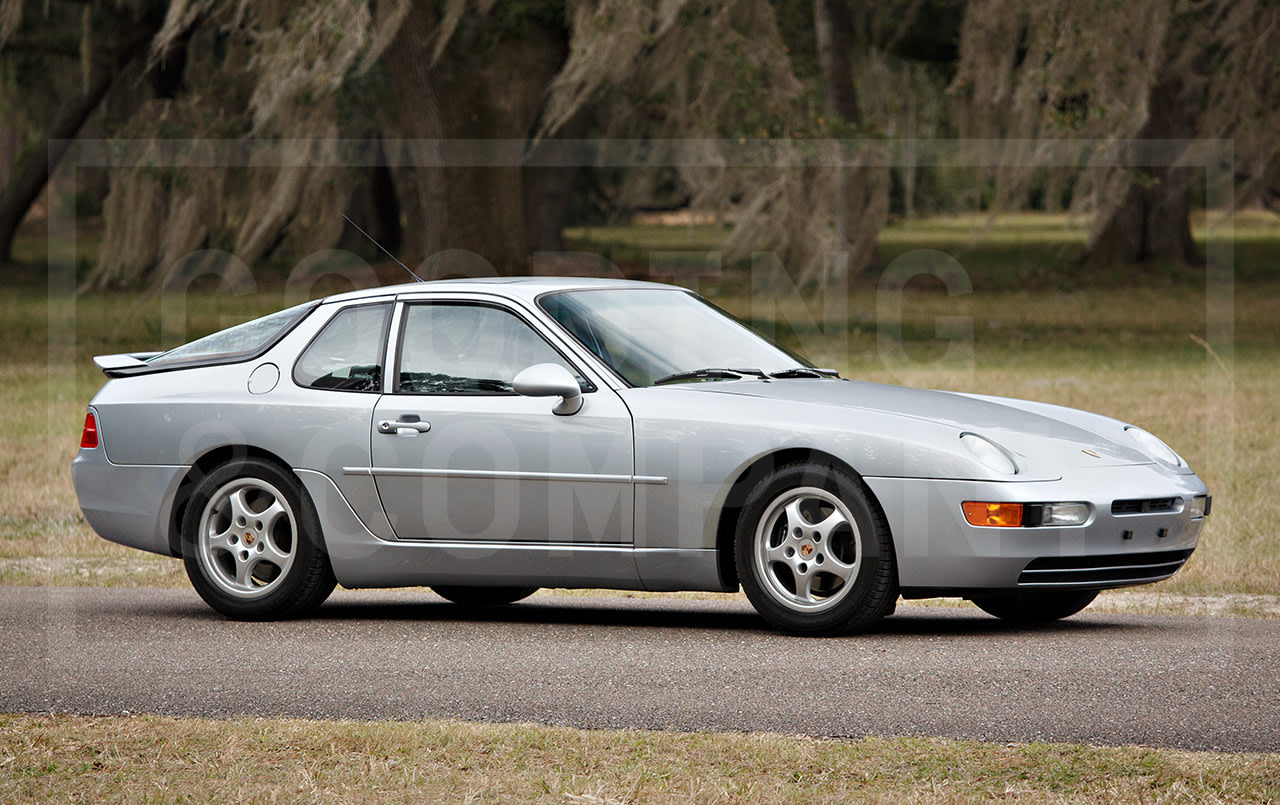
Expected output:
(416, 278)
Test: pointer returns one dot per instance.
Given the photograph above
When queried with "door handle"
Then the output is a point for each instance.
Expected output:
(401, 426)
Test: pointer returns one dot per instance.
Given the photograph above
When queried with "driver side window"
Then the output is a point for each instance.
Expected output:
(470, 349)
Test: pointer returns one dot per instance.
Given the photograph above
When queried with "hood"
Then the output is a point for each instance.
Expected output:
(1039, 436)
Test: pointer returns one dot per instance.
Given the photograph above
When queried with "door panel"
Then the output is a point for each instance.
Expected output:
(505, 468)
(483, 463)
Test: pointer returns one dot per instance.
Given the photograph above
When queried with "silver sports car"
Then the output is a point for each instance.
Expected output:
(490, 437)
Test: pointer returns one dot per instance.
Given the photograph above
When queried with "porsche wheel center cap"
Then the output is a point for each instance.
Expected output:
(248, 538)
(806, 550)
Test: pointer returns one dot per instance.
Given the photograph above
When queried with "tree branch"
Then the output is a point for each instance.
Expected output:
(25, 188)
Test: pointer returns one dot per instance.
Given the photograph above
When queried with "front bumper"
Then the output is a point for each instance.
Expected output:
(938, 550)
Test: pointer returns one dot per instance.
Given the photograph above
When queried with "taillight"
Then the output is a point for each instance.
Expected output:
(90, 436)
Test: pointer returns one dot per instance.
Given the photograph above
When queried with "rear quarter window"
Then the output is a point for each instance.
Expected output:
(347, 354)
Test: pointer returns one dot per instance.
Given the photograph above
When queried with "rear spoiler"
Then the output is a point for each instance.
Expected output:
(111, 365)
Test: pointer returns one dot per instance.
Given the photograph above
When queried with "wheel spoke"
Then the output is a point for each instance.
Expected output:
(795, 517)
(830, 524)
(244, 570)
(804, 586)
(272, 553)
(223, 541)
(836, 567)
(778, 554)
(270, 515)
(239, 507)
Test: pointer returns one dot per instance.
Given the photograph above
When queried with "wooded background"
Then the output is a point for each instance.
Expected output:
(869, 79)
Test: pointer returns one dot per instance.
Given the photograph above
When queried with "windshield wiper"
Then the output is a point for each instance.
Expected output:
(708, 374)
(804, 371)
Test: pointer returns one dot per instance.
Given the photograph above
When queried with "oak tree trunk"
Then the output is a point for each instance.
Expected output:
(549, 190)
(476, 91)
(862, 191)
(375, 208)
(1151, 223)
(1152, 219)
(414, 114)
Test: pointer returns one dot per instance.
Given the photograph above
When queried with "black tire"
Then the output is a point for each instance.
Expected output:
(1035, 606)
(263, 564)
(795, 580)
(484, 596)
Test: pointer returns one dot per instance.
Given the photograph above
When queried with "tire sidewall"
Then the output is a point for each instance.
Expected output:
(850, 612)
(307, 544)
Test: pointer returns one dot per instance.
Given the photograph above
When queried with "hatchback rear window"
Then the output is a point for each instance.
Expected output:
(235, 343)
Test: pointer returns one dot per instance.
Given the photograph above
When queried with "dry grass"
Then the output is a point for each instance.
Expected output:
(151, 759)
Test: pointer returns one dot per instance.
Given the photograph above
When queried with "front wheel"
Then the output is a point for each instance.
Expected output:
(251, 543)
(484, 596)
(1035, 606)
(814, 553)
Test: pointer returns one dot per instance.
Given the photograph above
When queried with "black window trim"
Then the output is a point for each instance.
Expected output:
(398, 358)
(382, 346)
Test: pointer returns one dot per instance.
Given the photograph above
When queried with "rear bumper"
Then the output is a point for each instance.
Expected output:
(939, 551)
(127, 503)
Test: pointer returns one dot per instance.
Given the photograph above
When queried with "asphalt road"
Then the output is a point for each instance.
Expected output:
(1196, 683)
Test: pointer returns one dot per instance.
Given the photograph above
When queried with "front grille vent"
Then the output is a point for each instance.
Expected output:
(1111, 570)
(1147, 506)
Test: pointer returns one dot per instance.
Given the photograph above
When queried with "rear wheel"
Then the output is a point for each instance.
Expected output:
(251, 543)
(484, 596)
(814, 553)
(1035, 606)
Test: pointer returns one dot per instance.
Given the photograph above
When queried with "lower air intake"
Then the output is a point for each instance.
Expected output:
(1110, 570)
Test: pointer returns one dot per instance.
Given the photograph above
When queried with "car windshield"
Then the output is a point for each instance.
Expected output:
(653, 335)
(238, 342)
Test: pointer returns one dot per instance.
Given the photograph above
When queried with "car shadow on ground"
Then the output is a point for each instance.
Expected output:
(692, 615)
(686, 615)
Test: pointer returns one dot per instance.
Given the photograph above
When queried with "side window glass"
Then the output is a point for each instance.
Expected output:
(347, 355)
(470, 349)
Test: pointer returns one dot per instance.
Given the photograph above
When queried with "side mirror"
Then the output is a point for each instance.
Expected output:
(551, 380)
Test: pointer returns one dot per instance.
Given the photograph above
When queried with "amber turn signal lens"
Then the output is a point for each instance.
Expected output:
(1007, 515)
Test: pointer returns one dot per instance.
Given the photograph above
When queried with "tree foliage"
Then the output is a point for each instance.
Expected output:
(1116, 72)
(693, 76)
(778, 116)
(687, 71)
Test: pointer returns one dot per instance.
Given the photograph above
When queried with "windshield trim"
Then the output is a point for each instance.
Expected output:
(611, 371)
